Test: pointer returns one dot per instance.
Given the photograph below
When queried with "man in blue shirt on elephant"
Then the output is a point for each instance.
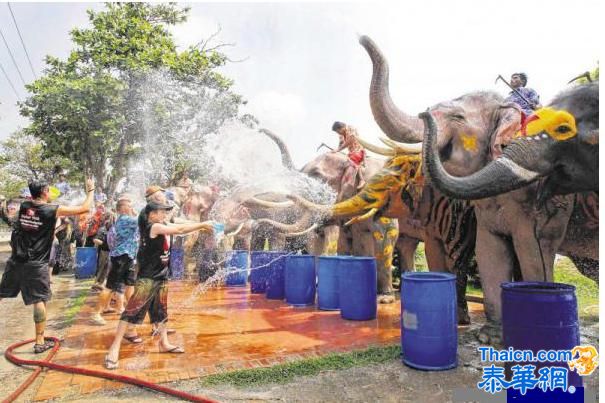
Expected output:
(526, 98)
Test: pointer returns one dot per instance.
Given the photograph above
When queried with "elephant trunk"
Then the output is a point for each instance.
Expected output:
(521, 163)
(396, 124)
(352, 206)
(300, 227)
(286, 159)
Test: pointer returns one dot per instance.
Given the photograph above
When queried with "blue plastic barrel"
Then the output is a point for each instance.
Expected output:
(300, 280)
(541, 316)
(429, 333)
(237, 268)
(177, 263)
(259, 271)
(276, 280)
(357, 280)
(327, 283)
(86, 262)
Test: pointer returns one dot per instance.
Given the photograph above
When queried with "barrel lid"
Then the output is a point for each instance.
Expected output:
(537, 287)
(428, 276)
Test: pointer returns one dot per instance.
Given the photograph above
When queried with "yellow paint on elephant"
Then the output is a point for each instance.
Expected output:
(331, 248)
(393, 233)
(378, 236)
(385, 220)
(388, 250)
(558, 124)
(469, 142)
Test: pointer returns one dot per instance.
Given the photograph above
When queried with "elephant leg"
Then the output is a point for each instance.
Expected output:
(277, 242)
(385, 232)
(536, 259)
(495, 259)
(437, 261)
(329, 244)
(407, 249)
(345, 241)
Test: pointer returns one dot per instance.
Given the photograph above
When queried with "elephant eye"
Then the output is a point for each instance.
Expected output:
(563, 129)
(457, 116)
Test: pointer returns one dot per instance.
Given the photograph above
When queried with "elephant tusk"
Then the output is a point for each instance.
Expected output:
(269, 204)
(403, 148)
(304, 232)
(364, 217)
(237, 230)
(376, 149)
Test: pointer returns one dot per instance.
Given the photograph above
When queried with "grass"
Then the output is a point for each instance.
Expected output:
(283, 373)
(76, 303)
(587, 291)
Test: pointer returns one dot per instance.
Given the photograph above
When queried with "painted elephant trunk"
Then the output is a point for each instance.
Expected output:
(521, 163)
(394, 123)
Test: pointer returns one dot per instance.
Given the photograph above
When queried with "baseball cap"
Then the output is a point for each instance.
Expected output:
(153, 189)
(153, 205)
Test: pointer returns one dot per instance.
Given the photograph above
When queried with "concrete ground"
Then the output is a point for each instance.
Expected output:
(388, 382)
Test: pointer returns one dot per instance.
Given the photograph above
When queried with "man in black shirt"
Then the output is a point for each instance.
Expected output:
(151, 287)
(26, 270)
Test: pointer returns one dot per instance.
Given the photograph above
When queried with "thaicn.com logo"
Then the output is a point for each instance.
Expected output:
(581, 359)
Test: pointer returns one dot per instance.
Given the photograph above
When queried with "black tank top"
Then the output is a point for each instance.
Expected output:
(33, 233)
(153, 255)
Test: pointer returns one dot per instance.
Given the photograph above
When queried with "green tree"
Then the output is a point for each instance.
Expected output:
(22, 157)
(95, 107)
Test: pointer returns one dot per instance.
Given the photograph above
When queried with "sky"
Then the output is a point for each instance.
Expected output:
(302, 68)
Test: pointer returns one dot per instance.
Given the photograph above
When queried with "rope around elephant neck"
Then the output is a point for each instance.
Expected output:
(540, 250)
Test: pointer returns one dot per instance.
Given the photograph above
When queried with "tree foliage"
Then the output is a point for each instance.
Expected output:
(105, 101)
(23, 157)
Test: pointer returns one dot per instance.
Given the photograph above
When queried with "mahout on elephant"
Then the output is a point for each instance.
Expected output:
(522, 178)
(516, 229)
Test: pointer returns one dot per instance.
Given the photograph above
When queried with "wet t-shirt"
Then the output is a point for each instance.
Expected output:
(154, 254)
(33, 233)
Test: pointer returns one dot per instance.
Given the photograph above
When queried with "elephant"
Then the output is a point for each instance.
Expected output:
(446, 226)
(517, 230)
(373, 237)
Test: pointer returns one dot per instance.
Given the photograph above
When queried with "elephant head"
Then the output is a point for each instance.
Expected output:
(559, 142)
(472, 127)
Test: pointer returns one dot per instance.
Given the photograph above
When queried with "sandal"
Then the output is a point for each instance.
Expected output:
(40, 348)
(109, 364)
(156, 332)
(175, 350)
(135, 339)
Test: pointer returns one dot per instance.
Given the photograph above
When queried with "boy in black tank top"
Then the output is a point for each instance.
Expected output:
(26, 270)
(151, 288)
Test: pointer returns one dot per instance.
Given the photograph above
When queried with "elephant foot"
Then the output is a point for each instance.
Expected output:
(386, 298)
(463, 316)
(490, 334)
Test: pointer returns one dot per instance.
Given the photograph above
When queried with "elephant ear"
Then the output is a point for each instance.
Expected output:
(508, 119)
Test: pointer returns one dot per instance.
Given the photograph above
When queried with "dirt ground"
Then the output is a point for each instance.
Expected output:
(388, 382)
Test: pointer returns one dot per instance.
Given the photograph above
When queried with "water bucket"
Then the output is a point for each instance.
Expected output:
(327, 283)
(86, 262)
(429, 334)
(177, 263)
(275, 280)
(259, 271)
(541, 316)
(300, 280)
(237, 268)
(357, 280)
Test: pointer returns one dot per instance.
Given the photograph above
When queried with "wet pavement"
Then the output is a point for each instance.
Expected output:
(227, 329)
(222, 330)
